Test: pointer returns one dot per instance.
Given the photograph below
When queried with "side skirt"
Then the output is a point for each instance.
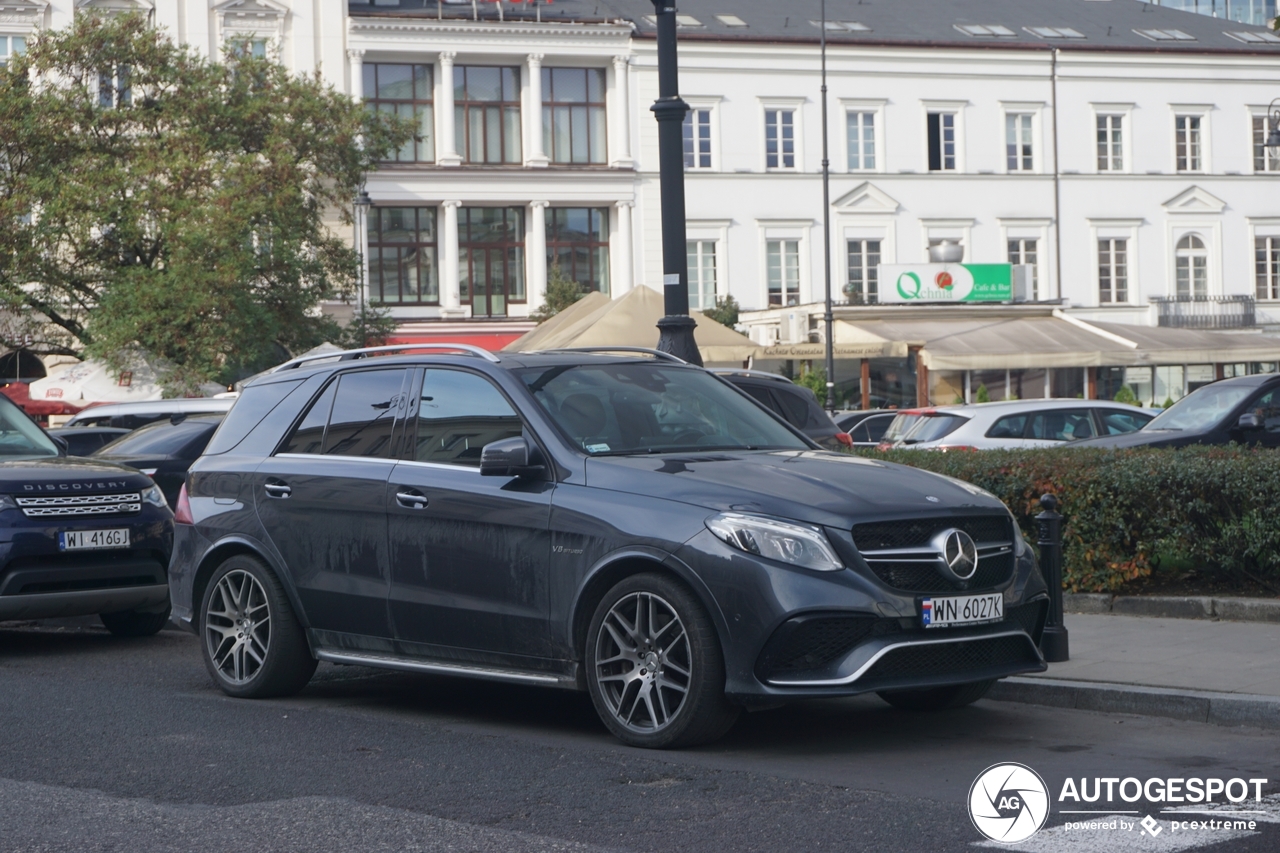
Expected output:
(469, 670)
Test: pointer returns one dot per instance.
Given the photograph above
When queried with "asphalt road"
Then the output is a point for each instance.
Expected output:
(125, 745)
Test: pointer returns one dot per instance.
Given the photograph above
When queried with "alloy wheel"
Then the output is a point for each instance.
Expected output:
(643, 662)
(237, 626)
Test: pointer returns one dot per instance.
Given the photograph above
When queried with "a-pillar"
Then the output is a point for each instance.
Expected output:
(448, 143)
(537, 254)
(356, 60)
(450, 300)
(533, 113)
(623, 256)
(620, 146)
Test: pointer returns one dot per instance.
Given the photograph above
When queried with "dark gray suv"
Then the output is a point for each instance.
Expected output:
(630, 526)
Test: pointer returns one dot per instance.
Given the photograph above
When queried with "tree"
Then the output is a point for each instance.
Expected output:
(1126, 395)
(982, 395)
(562, 292)
(154, 201)
(815, 379)
(725, 313)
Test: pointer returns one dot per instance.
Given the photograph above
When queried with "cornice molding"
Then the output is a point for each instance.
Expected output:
(618, 32)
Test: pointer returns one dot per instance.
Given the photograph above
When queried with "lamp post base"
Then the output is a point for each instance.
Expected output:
(1053, 644)
(676, 337)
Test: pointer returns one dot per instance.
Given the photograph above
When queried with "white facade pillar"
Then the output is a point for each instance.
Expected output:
(533, 113)
(620, 145)
(622, 258)
(447, 149)
(536, 257)
(355, 59)
(450, 300)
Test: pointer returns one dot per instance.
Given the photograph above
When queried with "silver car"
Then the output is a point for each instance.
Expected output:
(1012, 424)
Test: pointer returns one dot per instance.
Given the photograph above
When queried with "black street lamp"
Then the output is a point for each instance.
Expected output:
(1273, 116)
(676, 328)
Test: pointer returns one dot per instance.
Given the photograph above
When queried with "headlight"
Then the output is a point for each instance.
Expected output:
(797, 544)
(155, 497)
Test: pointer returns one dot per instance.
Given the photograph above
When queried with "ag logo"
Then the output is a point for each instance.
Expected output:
(909, 285)
(944, 280)
(1008, 803)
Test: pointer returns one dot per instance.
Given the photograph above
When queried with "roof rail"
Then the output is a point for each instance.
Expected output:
(352, 354)
(656, 353)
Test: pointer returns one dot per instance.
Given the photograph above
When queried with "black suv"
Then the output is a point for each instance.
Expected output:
(78, 536)
(631, 526)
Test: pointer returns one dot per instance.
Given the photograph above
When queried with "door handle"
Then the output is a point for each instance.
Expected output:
(411, 500)
(278, 490)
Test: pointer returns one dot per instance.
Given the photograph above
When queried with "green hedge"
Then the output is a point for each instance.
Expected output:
(1216, 506)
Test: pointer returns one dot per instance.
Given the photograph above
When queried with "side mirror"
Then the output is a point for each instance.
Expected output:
(1249, 422)
(507, 458)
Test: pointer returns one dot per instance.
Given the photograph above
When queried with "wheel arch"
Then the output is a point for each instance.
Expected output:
(232, 546)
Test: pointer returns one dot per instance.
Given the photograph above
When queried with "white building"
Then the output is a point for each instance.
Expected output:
(1114, 146)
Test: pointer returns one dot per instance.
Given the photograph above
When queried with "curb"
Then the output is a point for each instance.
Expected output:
(1221, 709)
(1175, 607)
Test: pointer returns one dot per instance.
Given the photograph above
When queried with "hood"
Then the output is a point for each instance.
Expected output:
(813, 486)
(1142, 438)
(63, 475)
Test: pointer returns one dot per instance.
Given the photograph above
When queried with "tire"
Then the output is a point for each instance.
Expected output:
(135, 623)
(655, 669)
(937, 698)
(250, 638)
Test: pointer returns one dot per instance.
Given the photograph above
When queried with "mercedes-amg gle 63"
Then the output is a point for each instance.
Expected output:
(625, 524)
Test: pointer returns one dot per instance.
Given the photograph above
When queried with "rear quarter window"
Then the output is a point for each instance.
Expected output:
(796, 408)
(254, 404)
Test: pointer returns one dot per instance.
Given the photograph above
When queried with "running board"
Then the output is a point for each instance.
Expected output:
(465, 671)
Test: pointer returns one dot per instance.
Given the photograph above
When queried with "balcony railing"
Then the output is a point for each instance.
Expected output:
(1205, 312)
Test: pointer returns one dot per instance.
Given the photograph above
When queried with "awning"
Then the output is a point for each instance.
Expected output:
(1158, 345)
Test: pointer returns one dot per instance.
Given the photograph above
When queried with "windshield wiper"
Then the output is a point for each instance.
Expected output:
(692, 448)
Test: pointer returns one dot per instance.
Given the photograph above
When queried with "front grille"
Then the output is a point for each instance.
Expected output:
(809, 643)
(913, 533)
(950, 659)
(927, 575)
(64, 506)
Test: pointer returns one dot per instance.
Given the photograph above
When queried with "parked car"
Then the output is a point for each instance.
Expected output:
(134, 415)
(164, 450)
(84, 440)
(1013, 424)
(629, 526)
(794, 403)
(81, 536)
(1245, 410)
(865, 428)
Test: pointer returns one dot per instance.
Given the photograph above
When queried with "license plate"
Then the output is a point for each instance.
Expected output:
(89, 540)
(961, 610)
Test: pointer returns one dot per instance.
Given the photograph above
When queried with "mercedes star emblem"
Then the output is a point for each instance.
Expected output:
(958, 551)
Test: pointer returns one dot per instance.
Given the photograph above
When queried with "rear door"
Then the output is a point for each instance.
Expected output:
(321, 498)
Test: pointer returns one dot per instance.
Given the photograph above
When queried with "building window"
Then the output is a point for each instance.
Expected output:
(783, 262)
(1187, 143)
(864, 279)
(1113, 270)
(1111, 143)
(402, 256)
(862, 140)
(1017, 138)
(11, 46)
(1191, 267)
(942, 142)
(697, 139)
(1267, 265)
(780, 139)
(114, 89)
(404, 91)
(1024, 250)
(491, 259)
(573, 115)
(1264, 159)
(702, 274)
(578, 243)
(487, 113)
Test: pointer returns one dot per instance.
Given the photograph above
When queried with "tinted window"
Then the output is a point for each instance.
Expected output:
(161, 439)
(250, 408)
(932, 428)
(1010, 426)
(20, 437)
(364, 411)
(795, 408)
(309, 435)
(1267, 407)
(1061, 425)
(1117, 422)
(458, 414)
(900, 426)
(872, 429)
(763, 397)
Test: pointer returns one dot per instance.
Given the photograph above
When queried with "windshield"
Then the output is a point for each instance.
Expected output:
(1202, 408)
(618, 409)
(160, 439)
(20, 437)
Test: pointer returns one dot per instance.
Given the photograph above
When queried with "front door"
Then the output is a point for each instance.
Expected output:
(469, 554)
(321, 499)
(491, 248)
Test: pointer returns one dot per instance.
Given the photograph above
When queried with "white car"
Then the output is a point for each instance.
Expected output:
(136, 414)
(1012, 424)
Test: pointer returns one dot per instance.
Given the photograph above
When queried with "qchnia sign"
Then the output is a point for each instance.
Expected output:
(946, 283)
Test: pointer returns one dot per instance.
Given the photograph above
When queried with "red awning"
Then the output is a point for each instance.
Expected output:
(491, 336)
(19, 393)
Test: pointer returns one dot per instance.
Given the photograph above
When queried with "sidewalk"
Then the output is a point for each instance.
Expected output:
(1192, 669)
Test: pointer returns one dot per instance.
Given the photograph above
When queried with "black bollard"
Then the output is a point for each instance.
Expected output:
(1054, 642)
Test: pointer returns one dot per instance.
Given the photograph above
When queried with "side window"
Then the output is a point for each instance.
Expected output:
(1118, 423)
(763, 397)
(458, 414)
(1010, 426)
(1061, 425)
(876, 426)
(309, 435)
(794, 407)
(364, 411)
(1268, 407)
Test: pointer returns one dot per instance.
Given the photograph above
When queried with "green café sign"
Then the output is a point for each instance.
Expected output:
(946, 283)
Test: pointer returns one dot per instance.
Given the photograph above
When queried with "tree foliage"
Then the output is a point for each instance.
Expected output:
(562, 292)
(725, 313)
(152, 199)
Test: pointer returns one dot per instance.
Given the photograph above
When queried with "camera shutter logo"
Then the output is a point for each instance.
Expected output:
(1008, 803)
